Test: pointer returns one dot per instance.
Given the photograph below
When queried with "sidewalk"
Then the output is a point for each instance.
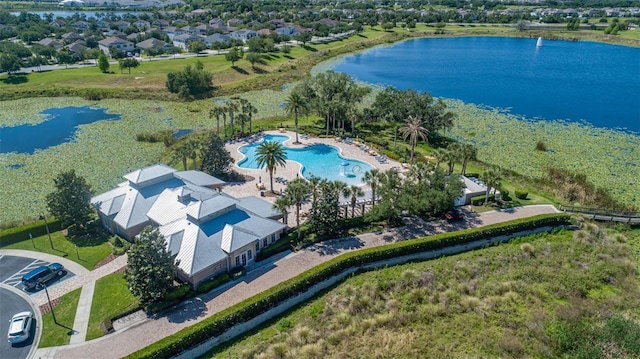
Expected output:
(150, 330)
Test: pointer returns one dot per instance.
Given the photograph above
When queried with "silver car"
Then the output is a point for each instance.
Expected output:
(19, 327)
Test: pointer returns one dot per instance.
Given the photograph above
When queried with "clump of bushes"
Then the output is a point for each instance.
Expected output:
(213, 283)
(161, 136)
(521, 194)
(118, 246)
(541, 146)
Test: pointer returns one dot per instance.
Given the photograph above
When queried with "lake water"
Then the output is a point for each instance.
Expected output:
(59, 127)
(560, 80)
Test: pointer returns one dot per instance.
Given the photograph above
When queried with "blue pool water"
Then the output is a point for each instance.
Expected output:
(59, 127)
(319, 160)
(560, 80)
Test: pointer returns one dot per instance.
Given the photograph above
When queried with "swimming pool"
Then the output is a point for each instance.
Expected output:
(319, 160)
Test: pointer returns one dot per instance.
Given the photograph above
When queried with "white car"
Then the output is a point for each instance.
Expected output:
(20, 327)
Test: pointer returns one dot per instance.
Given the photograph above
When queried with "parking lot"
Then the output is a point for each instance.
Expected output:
(12, 268)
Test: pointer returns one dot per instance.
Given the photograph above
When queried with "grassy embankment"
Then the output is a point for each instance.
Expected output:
(551, 295)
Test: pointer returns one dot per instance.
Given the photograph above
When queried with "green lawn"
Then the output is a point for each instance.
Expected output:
(90, 249)
(59, 334)
(111, 297)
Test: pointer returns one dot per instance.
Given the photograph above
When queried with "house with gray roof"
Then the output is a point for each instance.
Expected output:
(115, 43)
(208, 232)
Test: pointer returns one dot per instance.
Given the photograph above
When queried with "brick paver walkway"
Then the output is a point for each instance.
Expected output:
(149, 331)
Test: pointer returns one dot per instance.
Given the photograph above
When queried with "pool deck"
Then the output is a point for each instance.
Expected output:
(292, 169)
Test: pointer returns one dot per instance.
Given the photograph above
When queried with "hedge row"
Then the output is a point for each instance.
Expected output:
(220, 322)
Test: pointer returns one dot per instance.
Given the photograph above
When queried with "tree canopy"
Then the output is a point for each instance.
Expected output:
(150, 267)
(70, 202)
(192, 82)
(216, 160)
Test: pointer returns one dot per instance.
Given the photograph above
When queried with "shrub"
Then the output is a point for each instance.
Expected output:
(541, 146)
(521, 195)
(213, 283)
(281, 245)
(477, 200)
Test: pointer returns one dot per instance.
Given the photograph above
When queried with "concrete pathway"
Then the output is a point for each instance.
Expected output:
(81, 322)
(140, 332)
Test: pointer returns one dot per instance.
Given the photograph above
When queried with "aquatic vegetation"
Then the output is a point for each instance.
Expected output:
(609, 158)
(103, 151)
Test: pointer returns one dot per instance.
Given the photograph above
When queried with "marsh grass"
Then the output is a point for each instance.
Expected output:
(489, 303)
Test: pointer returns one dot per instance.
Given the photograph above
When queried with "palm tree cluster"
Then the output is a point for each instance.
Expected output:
(236, 107)
(331, 95)
(215, 159)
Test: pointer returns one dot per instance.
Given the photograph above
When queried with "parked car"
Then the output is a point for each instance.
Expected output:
(454, 215)
(19, 327)
(42, 274)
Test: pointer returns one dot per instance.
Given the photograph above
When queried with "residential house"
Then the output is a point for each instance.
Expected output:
(266, 32)
(77, 49)
(234, 22)
(173, 31)
(115, 42)
(153, 43)
(277, 23)
(329, 22)
(218, 22)
(121, 25)
(71, 37)
(198, 12)
(213, 38)
(80, 26)
(208, 232)
(286, 31)
(142, 24)
(182, 41)
(47, 41)
(160, 23)
(58, 23)
(243, 34)
(102, 25)
(204, 29)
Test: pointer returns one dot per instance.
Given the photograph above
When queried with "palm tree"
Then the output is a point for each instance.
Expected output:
(338, 187)
(231, 108)
(271, 154)
(296, 104)
(315, 185)
(491, 178)
(418, 172)
(440, 155)
(249, 110)
(181, 153)
(298, 192)
(372, 178)
(413, 129)
(281, 205)
(243, 118)
(216, 112)
(354, 192)
(468, 152)
(355, 116)
(451, 155)
(193, 147)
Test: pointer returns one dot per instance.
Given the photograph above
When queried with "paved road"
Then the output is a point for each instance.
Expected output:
(13, 303)
(147, 331)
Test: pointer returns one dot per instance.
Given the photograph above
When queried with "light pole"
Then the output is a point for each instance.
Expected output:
(42, 284)
(46, 225)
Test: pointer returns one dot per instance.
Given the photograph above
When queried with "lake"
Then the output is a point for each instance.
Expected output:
(59, 126)
(560, 80)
